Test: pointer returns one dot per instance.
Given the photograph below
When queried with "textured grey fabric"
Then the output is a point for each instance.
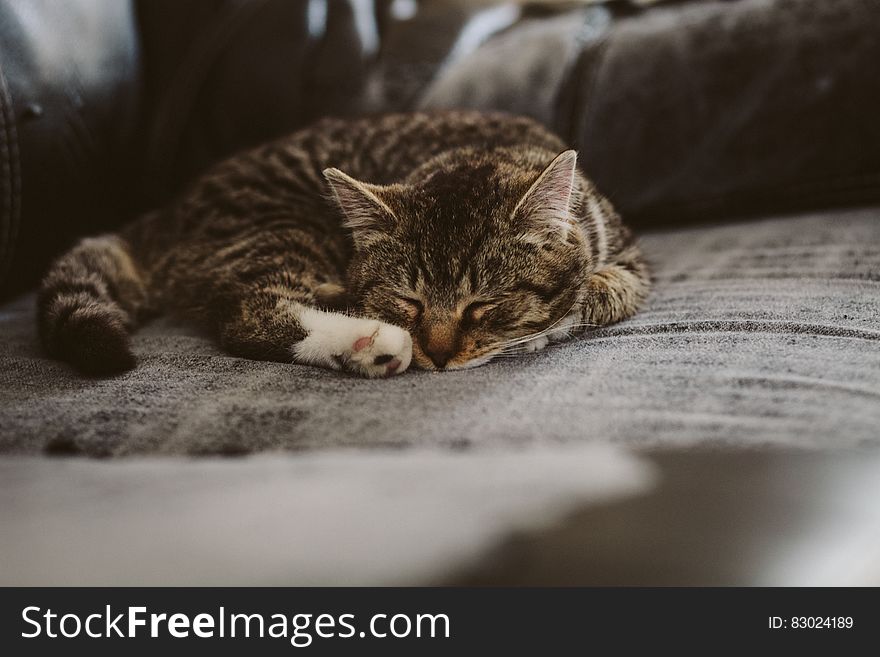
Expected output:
(758, 333)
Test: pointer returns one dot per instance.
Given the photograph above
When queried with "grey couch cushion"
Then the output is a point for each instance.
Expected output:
(758, 333)
(695, 109)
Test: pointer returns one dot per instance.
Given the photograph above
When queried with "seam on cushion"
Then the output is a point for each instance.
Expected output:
(734, 326)
(10, 180)
(582, 81)
(700, 282)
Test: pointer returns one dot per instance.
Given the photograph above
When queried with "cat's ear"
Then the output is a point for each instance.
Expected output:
(360, 202)
(546, 207)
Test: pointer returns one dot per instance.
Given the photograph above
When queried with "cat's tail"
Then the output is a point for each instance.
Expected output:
(88, 304)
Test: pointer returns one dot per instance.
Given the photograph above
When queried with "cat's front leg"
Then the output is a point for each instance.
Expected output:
(616, 291)
(362, 346)
(611, 294)
(270, 324)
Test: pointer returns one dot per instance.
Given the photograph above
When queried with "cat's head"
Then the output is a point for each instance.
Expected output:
(471, 253)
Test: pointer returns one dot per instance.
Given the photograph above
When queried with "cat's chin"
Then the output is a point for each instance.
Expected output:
(469, 365)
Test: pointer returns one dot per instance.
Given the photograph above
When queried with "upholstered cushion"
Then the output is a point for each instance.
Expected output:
(757, 333)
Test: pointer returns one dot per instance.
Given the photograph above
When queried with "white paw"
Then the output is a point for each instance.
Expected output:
(384, 351)
(363, 346)
(536, 345)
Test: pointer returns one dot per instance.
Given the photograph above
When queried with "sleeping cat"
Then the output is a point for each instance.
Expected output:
(443, 239)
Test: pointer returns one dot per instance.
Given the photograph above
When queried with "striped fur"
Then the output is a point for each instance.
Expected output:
(442, 238)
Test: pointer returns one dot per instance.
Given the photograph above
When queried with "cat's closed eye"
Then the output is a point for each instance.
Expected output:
(412, 307)
(475, 311)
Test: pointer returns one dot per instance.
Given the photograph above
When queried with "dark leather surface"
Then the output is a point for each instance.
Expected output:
(71, 80)
(222, 76)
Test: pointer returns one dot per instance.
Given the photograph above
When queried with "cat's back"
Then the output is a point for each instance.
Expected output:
(384, 148)
(284, 178)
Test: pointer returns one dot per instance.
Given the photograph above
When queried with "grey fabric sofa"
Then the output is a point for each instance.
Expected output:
(760, 331)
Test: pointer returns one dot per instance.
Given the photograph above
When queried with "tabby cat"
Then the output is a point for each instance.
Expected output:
(442, 238)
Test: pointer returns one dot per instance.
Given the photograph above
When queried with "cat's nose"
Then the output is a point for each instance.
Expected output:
(438, 353)
(438, 340)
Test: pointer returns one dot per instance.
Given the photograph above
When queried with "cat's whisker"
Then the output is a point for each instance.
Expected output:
(581, 325)
(537, 334)
(510, 349)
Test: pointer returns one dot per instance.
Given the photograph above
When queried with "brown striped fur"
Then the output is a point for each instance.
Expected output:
(454, 226)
